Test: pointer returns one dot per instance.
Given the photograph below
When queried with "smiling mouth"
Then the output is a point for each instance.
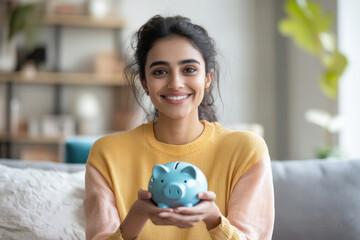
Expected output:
(177, 98)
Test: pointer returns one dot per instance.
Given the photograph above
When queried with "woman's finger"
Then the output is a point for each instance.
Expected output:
(144, 195)
(207, 200)
(199, 208)
(181, 220)
(210, 196)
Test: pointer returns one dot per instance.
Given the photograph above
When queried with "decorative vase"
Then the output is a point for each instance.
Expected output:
(7, 56)
(99, 8)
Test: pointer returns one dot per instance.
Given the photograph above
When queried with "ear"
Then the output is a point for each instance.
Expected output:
(159, 170)
(144, 85)
(190, 170)
(208, 78)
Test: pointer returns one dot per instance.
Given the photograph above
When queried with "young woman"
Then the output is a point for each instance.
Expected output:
(175, 61)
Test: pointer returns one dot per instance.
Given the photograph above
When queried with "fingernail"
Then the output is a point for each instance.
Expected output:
(163, 214)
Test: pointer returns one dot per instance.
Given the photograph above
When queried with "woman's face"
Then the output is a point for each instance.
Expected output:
(175, 77)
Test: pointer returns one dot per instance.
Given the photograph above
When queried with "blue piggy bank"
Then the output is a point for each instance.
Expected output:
(176, 184)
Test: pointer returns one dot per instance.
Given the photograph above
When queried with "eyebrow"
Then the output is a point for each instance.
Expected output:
(188, 61)
(156, 63)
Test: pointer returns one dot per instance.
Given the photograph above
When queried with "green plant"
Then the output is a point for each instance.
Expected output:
(311, 29)
(25, 19)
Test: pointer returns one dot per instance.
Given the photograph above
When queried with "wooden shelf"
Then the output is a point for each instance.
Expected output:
(64, 78)
(84, 21)
(26, 138)
(114, 24)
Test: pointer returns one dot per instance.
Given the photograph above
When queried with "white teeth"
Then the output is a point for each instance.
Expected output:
(176, 98)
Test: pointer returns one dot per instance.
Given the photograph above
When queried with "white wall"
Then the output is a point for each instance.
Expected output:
(263, 49)
(304, 93)
(349, 99)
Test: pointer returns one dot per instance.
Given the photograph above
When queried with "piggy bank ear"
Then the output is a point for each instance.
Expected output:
(159, 170)
(190, 170)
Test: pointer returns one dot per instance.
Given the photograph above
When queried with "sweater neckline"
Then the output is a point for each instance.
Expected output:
(171, 149)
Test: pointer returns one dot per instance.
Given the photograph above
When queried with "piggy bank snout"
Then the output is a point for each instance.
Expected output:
(174, 191)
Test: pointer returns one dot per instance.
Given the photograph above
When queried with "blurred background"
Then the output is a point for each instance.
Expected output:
(288, 71)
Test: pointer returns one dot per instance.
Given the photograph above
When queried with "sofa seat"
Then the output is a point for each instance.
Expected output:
(317, 199)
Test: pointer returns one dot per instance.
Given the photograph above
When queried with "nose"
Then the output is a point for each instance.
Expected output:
(175, 81)
(174, 191)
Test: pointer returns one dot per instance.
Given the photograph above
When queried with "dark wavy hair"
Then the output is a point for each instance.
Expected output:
(160, 27)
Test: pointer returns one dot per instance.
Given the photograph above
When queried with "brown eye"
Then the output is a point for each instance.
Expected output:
(159, 72)
(189, 70)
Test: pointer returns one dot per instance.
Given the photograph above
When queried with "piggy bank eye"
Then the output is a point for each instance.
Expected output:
(185, 181)
(162, 180)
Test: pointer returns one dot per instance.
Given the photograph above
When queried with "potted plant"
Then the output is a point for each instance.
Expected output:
(311, 29)
(20, 19)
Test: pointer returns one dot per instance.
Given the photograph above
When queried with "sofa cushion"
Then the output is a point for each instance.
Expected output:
(317, 199)
(41, 204)
(77, 148)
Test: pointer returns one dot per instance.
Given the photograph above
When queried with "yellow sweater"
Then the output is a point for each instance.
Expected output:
(126, 160)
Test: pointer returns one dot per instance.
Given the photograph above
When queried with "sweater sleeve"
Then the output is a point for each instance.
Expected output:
(251, 206)
(116, 236)
(101, 215)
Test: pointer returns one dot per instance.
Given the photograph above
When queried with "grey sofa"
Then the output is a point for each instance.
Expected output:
(314, 199)
(317, 199)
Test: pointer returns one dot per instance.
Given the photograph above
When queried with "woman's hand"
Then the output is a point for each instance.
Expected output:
(144, 206)
(185, 217)
(142, 210)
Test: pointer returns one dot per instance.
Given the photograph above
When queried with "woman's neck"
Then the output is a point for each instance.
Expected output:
(177, 132)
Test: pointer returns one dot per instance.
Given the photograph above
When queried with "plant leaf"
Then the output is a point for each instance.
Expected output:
(310, 28)
(318, 117)
(329, 84)
(304, 24)
(328, 41)
(336, 62)
(25, 19)
(18, 18)
(321, 21)
(335, 66)
(301, 35)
